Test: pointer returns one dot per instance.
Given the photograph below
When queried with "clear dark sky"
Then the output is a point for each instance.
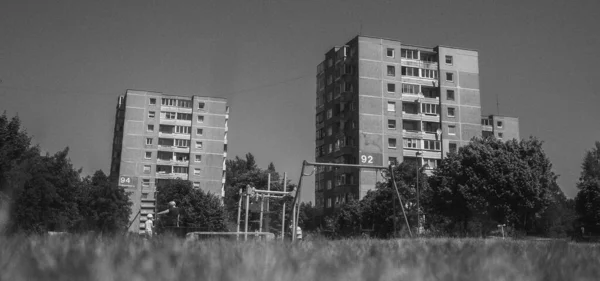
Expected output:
(63, 64)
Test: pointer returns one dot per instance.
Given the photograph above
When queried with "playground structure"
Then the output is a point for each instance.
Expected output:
(260, 195)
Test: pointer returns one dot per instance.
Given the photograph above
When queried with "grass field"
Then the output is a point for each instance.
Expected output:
(97, 258)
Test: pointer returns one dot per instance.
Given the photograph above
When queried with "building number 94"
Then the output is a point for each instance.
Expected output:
(125, 180)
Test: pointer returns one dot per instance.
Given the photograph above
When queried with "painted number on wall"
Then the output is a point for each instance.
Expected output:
(366, 159)
(125, 180)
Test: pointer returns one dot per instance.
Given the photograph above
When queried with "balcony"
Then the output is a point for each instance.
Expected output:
(419, 64)
(160, 175)
(173, 148)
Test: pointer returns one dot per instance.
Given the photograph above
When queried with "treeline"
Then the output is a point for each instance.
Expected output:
(41, 193)
(485, 184)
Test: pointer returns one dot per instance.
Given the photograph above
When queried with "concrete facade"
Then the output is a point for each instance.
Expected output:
(159, 137)
(379, 101)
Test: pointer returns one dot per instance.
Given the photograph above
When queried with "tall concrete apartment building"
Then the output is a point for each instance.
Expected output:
(379, 100)
(158, 137)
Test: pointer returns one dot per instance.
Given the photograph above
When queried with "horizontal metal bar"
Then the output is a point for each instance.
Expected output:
(347, 165)
(272, 191)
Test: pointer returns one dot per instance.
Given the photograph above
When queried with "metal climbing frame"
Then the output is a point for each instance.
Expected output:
(296, 203)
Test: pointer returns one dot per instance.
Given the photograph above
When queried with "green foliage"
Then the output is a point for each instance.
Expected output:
(587, 201)
(489, 182)
(104, 206)
(198, 209)
(46, 193)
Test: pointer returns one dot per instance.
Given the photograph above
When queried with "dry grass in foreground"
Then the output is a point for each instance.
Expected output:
(122, 258)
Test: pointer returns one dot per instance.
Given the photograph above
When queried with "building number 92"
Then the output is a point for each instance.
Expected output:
(366, 159)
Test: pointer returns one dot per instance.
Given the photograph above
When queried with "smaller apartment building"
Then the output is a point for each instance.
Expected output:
(158, 137)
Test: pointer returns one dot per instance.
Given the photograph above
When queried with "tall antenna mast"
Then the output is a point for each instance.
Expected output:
(497, 105)
(360, 30)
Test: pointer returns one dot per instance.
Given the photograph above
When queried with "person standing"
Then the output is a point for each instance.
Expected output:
(149, 226)
(171, 220)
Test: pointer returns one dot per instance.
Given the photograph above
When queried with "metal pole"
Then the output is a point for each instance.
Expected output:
(268, 219)
(400, 199)
(247, 208)
(296, 201)
(345, 165)
(239, 214)
(283, 210)
(418, 195)
(262, 207)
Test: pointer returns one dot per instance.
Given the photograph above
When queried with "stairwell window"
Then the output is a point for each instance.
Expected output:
(201, 105)
(451, 130)
(146, 169)
(449, 60)
(449, 77)
(153, 101)
(148, 141)
(199, 145)
(151, 114)
(392, 143)
(450, 94)
(200, 119)
(450, 112)
(391, 106)
(199, 131)
(392, 124)
(145, 182)
(198, 158)
(391, 88)
(150, 128)
(390, 53)
(391, 70)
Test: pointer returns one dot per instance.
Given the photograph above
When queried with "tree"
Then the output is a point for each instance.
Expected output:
(489, 182)
(587, 201)
(104, 207)
(198, 209)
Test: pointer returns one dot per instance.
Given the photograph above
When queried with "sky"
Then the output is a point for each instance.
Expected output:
(64, 63)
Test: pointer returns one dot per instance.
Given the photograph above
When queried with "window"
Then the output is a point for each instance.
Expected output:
(392, 161)
(183, 130)
(148, 141)
(411, 143)
(196, 184)
(182, 157)
(391, 106)
(169, 102)
(392, 143)
(146, 169)
(449, 60)
(431, 145)
(182, 143)
(184, 116)
(431, 163)
(451, 130)
(410, 125)
(450, 94)
(500, 135)
(429, 73)
(169, 115)
(499, 124)
(329, 131)
(152, 101)
(184, 103)
(390, 53)
(201, 105)
(450, 111)
(329, 186)
(146, 182)
(391, 88)
(145, 195)
(328, 202)
(409, 54)
(391, 70)
(199, 131)
(329, 79)
(391, 124)
(486, 122)
(330, 148)
(449, 76)
(180, 170)
(199, 145)
(410, 71)
(150, 128)
(429, 92)
(452, 147)
(148, 155)
(200, 119)
(196, 171)
(410, 89)
(198, 158)
(329, 113)
(430, 109)
(151, 114)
